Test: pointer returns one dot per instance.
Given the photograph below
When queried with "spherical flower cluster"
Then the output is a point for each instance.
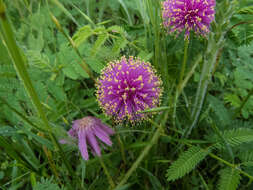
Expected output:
(127, 87)
(87, 130)
(189, 15)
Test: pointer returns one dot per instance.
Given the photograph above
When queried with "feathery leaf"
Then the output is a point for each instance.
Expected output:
(186, 162)
(229, 179)
(234, 137)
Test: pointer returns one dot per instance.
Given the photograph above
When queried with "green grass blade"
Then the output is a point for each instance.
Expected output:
(127, 12)
(19, 64)
(65, 11)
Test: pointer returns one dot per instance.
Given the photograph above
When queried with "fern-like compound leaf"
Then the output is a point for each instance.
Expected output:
(229, 179)
(234, 137)
(186, 162)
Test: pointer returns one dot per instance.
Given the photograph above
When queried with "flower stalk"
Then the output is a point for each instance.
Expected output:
(186, 45)
(181, 77)
(215, 43)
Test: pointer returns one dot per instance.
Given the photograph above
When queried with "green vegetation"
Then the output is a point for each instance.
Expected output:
(52, 52)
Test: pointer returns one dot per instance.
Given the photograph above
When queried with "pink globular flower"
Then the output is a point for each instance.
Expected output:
(87, 131)
(126, 87)
(189, 15)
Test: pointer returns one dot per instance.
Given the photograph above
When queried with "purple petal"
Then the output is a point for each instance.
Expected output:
(107, 129)
(75, 124)
(120, 82)
(72, 133)
(102, 135)
(93, 143)
(83, 144)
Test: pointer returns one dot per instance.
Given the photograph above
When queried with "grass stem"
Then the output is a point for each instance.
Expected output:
(83, 64)
(135, 165)
(106, 172)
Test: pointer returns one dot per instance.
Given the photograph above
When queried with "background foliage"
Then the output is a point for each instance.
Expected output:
(219, 122)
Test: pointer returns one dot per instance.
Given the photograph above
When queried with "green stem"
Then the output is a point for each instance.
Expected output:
(183, 81)
(186, 45)
(216, 130)
(106, 172)
(203, 181)
(175, 108)
(182, 85)
(234, 166)
(121, 145)
(141, 156)
(83, 64)
(215, 44)
(19, 64)
(230, 165)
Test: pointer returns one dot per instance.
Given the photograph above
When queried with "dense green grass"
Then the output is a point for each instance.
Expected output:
(51, 53)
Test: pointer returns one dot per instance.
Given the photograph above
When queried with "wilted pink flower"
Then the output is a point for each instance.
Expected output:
(189, 15)
(87, 131)
(126, 87)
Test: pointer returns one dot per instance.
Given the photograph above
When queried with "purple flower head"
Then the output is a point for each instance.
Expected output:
(88, 130)
(126, 87)
(189, 15)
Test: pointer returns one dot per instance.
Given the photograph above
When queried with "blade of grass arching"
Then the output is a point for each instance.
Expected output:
(10, 150)
(19, 178)
(87, 3)
(152, 142)
(23, 117)
(19, 65)
(29, 154)
(65, 11)
(142, 10)
(145, 151)
(39, 139)
(156, 184)
(127, 13)
(158, 109)
(84, 15)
